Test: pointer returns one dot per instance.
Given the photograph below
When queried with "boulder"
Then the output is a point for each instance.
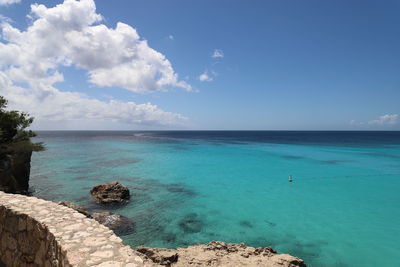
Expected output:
(76, 207)
(110, 193)
(121, 225)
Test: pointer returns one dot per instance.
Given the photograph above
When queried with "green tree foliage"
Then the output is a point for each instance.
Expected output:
(13, 133)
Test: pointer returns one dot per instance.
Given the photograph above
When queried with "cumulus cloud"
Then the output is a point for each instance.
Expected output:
(54, 105)
(218, 53)
(71, 34)
(5, 19)
(205, 77)
(8, 2)
(388, 119)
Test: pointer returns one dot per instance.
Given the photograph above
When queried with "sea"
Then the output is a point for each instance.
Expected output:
(342, 207)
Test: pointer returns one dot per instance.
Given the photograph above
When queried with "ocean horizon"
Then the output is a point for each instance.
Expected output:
(190, 187)
(324, 197)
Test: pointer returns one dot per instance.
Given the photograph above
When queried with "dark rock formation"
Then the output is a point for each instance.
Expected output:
(15, 168)
(219, 254)
(110, 193)
(121, 225)
(76, 207)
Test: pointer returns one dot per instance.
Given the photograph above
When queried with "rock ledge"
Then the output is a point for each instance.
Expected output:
(219, 254)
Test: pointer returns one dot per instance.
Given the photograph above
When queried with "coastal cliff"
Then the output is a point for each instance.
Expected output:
(14, 171)
(15, 149)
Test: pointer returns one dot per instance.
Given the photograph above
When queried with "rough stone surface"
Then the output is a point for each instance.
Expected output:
(219, 254)
(113, 192)
(14, 171)
(35, 232)
(76, 207)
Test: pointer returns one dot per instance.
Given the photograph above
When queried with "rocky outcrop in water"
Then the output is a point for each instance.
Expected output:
(110, 193)
(15, 168)
(219, 254)
(121, 225)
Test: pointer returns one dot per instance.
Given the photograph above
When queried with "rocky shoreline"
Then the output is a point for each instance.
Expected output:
(215, 253)
(14, 178)
(219, 254)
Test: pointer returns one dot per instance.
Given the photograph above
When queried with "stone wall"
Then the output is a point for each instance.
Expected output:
(26, 241)
(35, 232)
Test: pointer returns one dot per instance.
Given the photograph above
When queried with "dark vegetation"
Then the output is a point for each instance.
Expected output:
(14, 137)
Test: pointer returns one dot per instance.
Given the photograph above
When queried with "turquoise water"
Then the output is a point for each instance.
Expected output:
(342, 209)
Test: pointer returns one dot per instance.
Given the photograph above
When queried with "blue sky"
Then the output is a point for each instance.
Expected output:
(296, 65)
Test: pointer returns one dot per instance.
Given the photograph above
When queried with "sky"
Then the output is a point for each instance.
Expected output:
(202, 65)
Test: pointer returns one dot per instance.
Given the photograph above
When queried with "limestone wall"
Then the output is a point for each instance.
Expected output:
(35, 232)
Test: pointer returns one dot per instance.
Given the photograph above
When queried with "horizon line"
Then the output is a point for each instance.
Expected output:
(220, 130)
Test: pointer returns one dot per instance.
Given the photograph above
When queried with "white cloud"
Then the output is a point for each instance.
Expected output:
(384, 121)
(171, 37)
(70, 34)
(205, 77)
(4, 19)
(388, 119)
(217, 54)
(54, 105)
(8, 2)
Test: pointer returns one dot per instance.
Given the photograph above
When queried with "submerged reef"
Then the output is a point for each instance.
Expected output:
(191, 223)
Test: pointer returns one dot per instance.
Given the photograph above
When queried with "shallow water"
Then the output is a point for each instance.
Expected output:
(342, 209)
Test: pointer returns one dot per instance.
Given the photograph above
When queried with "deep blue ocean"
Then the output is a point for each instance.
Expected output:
(342, 208)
